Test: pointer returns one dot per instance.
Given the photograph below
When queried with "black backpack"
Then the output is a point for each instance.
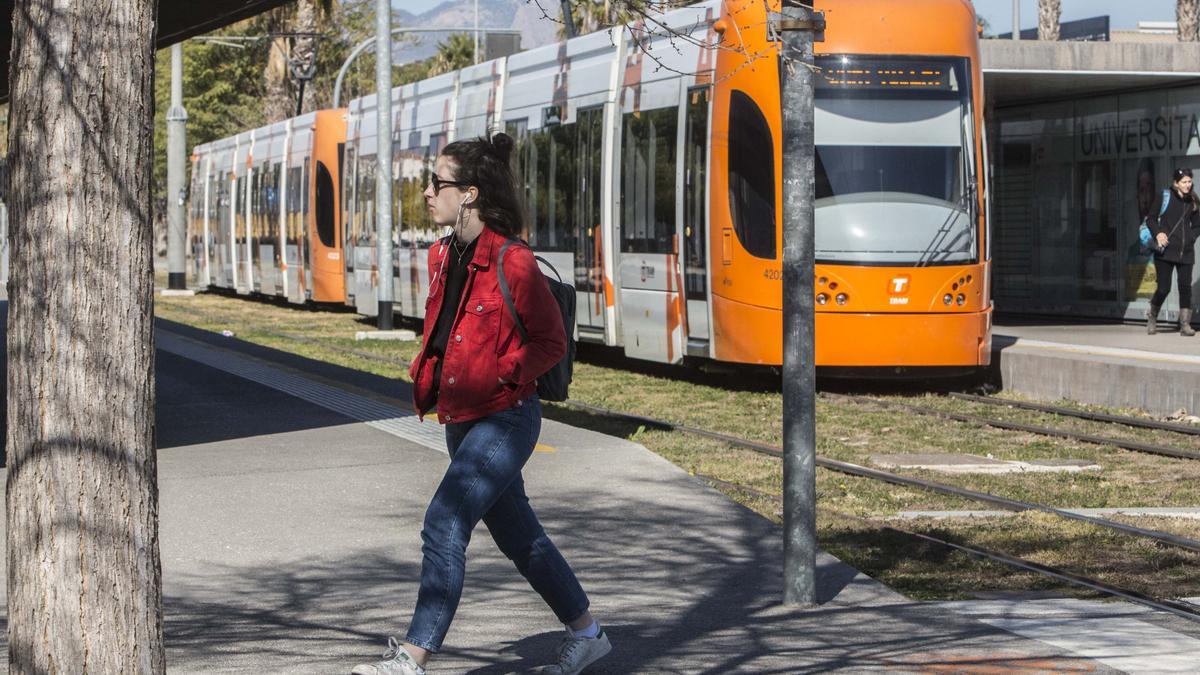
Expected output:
(551, 385)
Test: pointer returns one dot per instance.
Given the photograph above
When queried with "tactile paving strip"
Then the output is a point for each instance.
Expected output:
(390, 419)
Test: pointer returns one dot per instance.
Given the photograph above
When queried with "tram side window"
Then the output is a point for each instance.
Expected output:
(416, 228)
(695, 192)
(273, 203)
(648, 181)
(215, 184)
(524, 167)
(295, 187)
(325, 206)
(348, 194)
(436, 143)
(364, 204)
(239, 208)
(552, 163)
(306, 182)
(397, 193)
(751, 177)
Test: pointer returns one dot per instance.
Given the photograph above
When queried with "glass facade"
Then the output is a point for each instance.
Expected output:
(1072, 182)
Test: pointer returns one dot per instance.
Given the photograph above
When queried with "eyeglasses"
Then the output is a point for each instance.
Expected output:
(438, 183)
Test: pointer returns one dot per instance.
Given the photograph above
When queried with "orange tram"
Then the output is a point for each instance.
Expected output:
(649, 159)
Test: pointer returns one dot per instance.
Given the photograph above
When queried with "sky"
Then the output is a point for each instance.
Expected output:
(1125, 14)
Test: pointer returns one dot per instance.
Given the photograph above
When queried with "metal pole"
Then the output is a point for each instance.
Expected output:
(383, 174)
(1016, 33)
(476, 52)
(799, 371)
(176, 176)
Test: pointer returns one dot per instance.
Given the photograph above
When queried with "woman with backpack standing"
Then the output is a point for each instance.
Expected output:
(482, 377)
(1175, 235)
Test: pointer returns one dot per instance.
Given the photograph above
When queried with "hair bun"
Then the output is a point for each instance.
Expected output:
(502, 143)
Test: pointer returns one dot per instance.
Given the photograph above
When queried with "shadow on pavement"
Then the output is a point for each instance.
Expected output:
(676, 589)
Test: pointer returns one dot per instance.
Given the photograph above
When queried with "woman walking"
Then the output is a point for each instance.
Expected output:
(1175, 234)
(482, 377)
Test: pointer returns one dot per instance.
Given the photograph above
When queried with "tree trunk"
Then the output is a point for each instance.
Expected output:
(1187, 15)
(278, 103)
(305, 55)
(1049, 14)
(84, 576)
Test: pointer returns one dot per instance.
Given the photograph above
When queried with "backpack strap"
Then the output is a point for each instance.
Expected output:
(1166, 199)
(547, 264)
(508, 295)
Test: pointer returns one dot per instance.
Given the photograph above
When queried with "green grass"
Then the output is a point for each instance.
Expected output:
(853, 513)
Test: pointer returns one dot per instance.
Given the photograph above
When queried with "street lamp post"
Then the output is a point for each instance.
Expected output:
(176, 177)
(383, 175)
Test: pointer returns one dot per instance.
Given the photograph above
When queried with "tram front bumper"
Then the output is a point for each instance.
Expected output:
(902, 340)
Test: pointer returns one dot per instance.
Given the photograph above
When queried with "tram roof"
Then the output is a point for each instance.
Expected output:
(1017, 72)
(177, 20)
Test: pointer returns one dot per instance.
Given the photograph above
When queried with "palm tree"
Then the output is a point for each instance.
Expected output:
(276, 101)
(1187, 16)
(456, 51)
(1049, 13)
(590, 16)
(305, 52)
(280, 103)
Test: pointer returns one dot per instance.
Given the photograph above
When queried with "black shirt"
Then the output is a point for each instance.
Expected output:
(1180, 222)
(458, 264)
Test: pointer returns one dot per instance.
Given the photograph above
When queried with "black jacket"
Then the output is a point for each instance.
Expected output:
(1181, 223)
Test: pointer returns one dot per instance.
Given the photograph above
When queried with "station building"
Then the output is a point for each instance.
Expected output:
(1083, 137)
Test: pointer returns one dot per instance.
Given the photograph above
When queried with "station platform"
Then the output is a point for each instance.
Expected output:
(1102, 363)
(292, 496)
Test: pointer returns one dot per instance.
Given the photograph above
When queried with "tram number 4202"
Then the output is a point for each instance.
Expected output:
(773, 274)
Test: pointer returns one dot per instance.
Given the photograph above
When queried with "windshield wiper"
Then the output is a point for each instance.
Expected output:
(935, 245)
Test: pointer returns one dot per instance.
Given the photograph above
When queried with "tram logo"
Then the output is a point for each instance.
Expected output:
(898, 285)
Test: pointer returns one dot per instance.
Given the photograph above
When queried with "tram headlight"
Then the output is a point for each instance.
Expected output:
(947, 299)
(961, 299)
(822, 299)
(842, 298)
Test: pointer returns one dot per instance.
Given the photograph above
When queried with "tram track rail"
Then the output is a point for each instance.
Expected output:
(1052, 432)
(1191, 430)
(1178, 608)
(1005, 503)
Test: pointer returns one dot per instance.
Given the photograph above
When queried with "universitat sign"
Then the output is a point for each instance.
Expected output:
(1170, 134)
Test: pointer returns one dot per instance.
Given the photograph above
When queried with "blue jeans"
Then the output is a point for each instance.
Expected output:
(484, 482)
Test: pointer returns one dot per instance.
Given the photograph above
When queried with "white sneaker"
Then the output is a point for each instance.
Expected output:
(577, 653)
(395, 661)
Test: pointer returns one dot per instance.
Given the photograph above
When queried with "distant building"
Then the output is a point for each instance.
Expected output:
(1094, 29)
(1148, 31)
(1083, 137)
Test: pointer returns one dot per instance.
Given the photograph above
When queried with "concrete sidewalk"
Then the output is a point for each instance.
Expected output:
(290, 544)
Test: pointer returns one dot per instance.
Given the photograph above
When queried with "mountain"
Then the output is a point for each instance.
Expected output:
(522, 15)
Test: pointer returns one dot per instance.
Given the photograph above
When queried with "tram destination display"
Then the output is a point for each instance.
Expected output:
(883, 74)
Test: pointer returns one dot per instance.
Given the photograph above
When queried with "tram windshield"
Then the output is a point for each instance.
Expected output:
(894, 165)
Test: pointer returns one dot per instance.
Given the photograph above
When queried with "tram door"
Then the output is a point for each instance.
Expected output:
(695, 221)
(651, 298)
(589, 267)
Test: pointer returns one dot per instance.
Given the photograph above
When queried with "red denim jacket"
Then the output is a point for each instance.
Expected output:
(484, 344)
